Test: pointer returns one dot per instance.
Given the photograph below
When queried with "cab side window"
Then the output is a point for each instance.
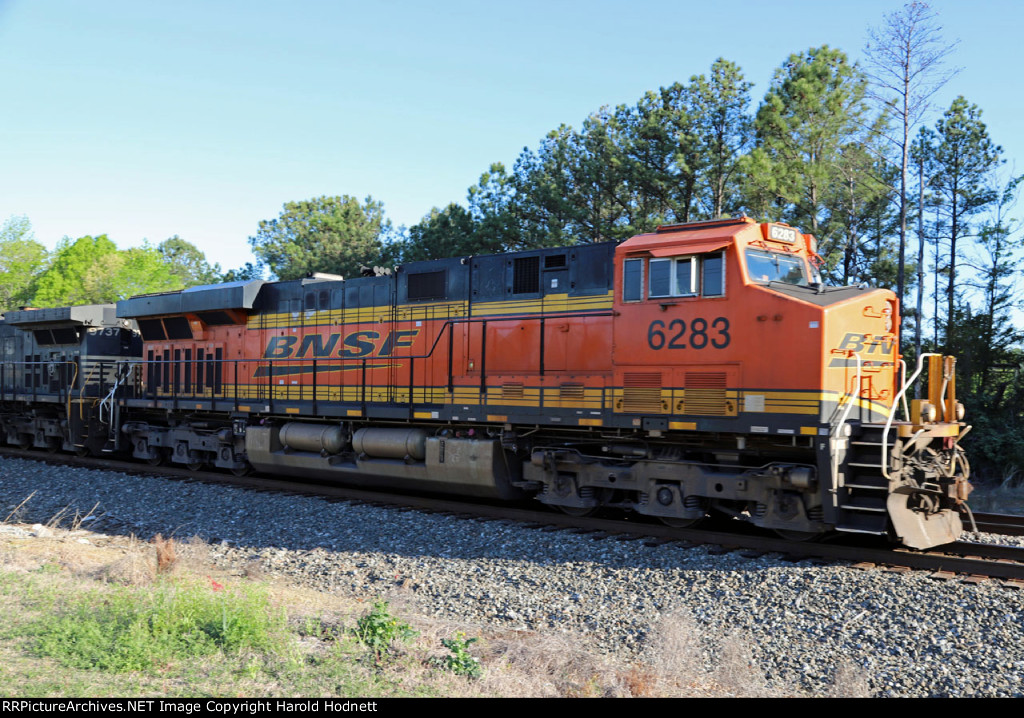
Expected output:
(660, 278)
(676, 277)
(713, 274)
(633, 280)
(690, 276)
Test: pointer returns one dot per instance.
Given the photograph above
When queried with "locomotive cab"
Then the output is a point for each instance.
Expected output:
(779, 393)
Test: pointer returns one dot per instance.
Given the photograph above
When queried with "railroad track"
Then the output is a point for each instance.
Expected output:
(961, 560)
(1005, 524)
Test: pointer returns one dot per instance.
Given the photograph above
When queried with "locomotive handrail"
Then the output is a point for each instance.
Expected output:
(903, 382)
(152, 388)
(895, 405)
(81, 388)
(120, 377)
(942, 393)
(838, 429)
(37, 379)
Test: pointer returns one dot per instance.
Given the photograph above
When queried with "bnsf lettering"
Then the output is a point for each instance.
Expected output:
(397, 340)
(359, 344)
(280, 347)
(315, 342)
(353, 346)
(857, 343)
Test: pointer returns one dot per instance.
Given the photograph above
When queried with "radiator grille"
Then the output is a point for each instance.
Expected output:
(526, 275)
(511, 391)
(571, 392)
(641, 393)
(705, 394)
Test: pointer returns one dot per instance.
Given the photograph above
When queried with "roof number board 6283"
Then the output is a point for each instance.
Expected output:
(783, 234)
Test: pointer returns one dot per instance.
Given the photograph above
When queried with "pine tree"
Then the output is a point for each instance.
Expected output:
(904, 59)
(724, 129)
(814, 111)
(324, 234)
(963, 157)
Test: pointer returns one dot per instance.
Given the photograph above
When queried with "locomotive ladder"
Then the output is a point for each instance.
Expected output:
(860, 465)
(862, 489)
(860, 484)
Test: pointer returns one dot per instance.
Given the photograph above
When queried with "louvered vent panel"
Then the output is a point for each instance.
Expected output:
(570, 392)
(641, 393)
(705, 393)
(526, 275)
(511, 391)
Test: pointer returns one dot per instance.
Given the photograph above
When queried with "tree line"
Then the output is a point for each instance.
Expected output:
(92, 270)
(898, 193)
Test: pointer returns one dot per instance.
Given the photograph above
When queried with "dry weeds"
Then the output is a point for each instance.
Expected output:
(192, 556)
(18, 512)
(166, 554)
(54, 521)
(736, 672)
(850, 681)
(676, 653)
(135, 568)
(90, 515)
(528, 664)
(253, 570)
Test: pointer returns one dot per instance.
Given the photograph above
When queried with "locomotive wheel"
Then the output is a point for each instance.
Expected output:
(82, 451)
(799, 536)
(24, 443)
(579, 512)
(195, 465)
(244, 471)
(158, 460)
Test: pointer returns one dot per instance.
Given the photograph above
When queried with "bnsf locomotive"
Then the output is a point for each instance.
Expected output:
(702, 368)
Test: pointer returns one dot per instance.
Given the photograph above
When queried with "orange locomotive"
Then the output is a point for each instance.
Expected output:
(700, 368)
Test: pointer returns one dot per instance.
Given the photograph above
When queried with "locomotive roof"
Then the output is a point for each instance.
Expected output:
(696, 237)
(208, 297)
(700, 237)
(86, 315)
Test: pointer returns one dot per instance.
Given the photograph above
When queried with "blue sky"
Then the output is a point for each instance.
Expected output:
(143, 120)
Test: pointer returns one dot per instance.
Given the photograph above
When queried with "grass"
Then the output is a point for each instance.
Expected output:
(132, 629)
(180, 636)
(133, 618)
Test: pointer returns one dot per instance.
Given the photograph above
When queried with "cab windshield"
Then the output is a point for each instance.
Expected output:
(775, 267)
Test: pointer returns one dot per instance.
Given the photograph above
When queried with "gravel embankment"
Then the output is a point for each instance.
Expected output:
(911, 635)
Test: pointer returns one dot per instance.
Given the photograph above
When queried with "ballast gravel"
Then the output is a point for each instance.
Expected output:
(910, 635)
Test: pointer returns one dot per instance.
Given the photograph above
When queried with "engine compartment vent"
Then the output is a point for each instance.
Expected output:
(571, 392)
(641, 393)
(512, 391)
(706, 394)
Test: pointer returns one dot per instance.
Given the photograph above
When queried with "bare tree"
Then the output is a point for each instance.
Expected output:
(904, 59)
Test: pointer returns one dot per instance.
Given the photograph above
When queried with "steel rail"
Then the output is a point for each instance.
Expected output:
(1005, 524)
(967, 559)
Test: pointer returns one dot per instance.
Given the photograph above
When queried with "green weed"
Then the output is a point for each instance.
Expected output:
(378, 629)
(460, 661)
